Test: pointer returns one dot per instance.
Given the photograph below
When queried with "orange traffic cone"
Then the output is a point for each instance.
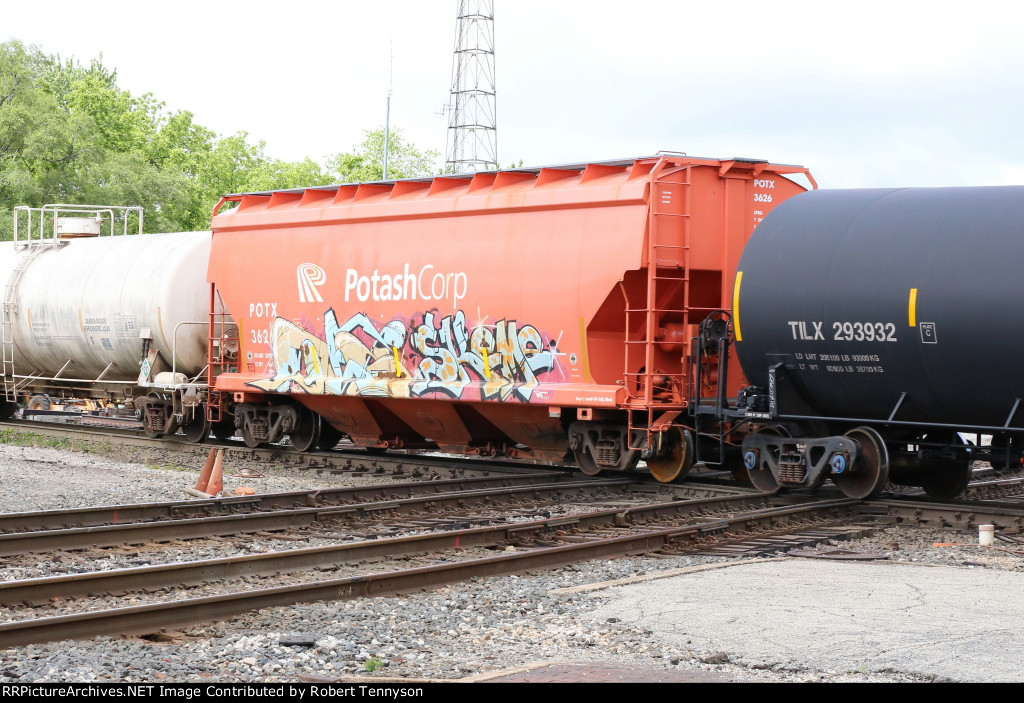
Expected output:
(204, 477)
(216, 484)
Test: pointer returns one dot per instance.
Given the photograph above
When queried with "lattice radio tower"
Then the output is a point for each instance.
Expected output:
(472, 143)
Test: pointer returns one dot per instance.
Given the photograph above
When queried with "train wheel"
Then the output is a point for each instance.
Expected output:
(195, 425)
(307, 434)
(674, 464)
(247, 437)
(586, 463)
(761, 478)
(998, 449)
(39, 402)
(609, 443)
(741, 476)
(943, 477)
(869, 474)
(329, 436)
(223, 430)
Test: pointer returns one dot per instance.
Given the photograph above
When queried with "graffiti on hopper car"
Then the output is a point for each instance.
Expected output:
(429, 355)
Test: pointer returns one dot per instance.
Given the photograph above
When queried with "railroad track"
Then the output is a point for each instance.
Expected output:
(347, 459)
(364, 511)
(726, 522)
(233, 505)
(344, 459)
(667, 528)
(996, 488)
(965, 515)
(430, 509)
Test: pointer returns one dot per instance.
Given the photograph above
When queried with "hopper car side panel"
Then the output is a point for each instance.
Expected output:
(484, 302)
(516, 281)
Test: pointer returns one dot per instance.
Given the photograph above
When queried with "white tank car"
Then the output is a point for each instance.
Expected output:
(81, 308)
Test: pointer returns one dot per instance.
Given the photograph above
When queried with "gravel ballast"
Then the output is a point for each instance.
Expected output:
(467, 631)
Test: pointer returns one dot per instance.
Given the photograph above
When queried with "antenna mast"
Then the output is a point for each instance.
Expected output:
(387, 114)
(472, 126)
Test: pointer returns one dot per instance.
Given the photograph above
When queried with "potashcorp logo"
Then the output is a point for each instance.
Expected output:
(309, 277)
(407, 285)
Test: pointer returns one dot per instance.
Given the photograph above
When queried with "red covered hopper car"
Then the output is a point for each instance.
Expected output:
(544, 313)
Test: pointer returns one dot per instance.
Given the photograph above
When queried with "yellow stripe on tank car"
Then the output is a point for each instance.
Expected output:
(912, 308)
(736, 306)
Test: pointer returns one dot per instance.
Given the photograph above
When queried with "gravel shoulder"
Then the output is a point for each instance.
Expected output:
(476, 629)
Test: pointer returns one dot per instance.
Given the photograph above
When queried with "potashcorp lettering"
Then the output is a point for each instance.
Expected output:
(426, 284)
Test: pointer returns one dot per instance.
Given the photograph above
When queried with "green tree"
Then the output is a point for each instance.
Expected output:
(236, 166)
(38, 140)
(366, 163)
(70, 134)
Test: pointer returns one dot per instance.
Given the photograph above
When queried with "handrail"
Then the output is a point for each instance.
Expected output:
(52, 213)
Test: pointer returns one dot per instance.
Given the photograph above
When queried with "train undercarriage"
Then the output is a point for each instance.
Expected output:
(770, 455)
(863, 460)
(775, 441)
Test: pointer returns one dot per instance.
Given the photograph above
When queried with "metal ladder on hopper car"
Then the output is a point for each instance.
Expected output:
(219, 358)
(667, 248)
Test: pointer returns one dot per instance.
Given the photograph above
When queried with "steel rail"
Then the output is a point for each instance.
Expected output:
(144, 619)
(39, 591)
(286, 518)
(979, 489)
(959, 514)
(41, 520)
(354, 458)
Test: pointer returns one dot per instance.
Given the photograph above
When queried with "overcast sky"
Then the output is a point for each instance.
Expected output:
(894, 93)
